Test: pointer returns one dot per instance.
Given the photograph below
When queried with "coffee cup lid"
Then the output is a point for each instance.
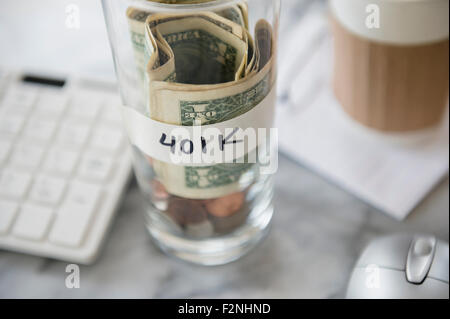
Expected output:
(402, 22)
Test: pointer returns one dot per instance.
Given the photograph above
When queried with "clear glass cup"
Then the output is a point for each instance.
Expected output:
(186, 64)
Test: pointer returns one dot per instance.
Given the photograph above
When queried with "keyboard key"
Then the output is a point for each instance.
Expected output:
(33, 222)
(70, 228)
(47, 190)
(75, 214)
(27, 156)
(11, 125)
(19, 98)
(95, 168)
(85, 107)
(39, 130)
(17, 109)
(72, 134)
(8, 211)
(82, 198)
(107, 140)
(14, 184)
(5, 148)
(60, 162)
(52, 104)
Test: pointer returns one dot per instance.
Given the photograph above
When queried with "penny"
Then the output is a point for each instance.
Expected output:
(186, 211)
(158, 190)
(225, 206)
(171, 222)
(149, 160)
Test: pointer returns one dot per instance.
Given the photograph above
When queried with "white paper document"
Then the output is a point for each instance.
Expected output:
(392, 174)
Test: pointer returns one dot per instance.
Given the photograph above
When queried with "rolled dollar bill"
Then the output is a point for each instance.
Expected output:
(193, 104)
(200, 69)
(237, 13)
(204, 42)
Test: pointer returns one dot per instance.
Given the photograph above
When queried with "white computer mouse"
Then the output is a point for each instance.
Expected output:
(402, 266)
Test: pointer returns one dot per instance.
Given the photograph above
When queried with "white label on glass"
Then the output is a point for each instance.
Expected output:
(206, 144)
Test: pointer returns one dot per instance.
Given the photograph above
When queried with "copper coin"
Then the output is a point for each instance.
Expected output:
(149, 160)
(225, 206)
(158, 190)
(187, 211)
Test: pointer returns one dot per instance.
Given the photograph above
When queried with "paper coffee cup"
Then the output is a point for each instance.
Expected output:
(391, 61)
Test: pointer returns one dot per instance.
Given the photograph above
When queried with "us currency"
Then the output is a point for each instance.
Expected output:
(210, 107)
(199, 41)
(239, 16)
(214, 95)
(136, 17)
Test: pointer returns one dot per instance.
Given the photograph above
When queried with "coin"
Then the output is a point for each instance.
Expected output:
(186, 211)
(158, 190)
(225, 206)
(149, 160)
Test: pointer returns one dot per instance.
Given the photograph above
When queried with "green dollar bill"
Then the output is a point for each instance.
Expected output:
(236, 74)
(189, 105)
(236, 13)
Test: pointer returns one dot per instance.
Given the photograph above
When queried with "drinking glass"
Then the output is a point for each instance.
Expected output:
(183, 65)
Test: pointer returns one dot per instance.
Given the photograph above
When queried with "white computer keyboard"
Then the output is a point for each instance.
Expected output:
(64, 165)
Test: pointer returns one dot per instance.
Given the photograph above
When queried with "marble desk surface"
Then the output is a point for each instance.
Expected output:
(316, 237)
(317, 234)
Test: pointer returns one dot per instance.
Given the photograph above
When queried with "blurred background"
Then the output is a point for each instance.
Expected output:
(62, 46)
(326, 210)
